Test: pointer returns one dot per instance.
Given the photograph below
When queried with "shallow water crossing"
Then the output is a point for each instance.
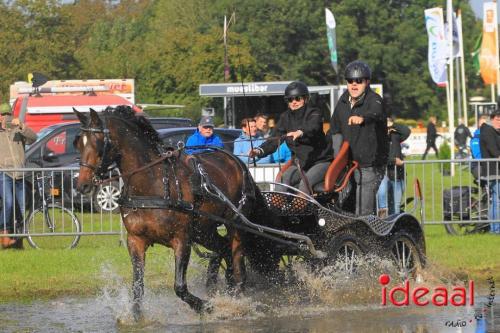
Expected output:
(320, 302)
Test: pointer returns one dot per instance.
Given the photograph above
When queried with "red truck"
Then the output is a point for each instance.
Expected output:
(53, 102)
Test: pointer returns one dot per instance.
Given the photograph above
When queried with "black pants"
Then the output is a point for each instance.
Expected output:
(429, 146)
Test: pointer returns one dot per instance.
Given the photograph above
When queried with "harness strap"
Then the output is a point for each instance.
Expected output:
(164, 156)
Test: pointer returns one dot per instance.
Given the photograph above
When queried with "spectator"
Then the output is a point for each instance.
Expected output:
(263, 129)
(461, 134)
(431, 137)
(302, 125)
(359, 118)
(247, 140)
(391, 189)
(282, 155)
(490, 148)
(475, 148)
(14, 135)
(204, 136)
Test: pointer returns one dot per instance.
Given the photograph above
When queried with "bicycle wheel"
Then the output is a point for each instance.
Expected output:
(53, 227)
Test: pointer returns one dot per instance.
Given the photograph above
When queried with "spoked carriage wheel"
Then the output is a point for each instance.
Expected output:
(345, 251)
(406, 255)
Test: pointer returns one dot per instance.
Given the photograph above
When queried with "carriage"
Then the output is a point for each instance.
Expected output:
(320, 229)
(177, 199)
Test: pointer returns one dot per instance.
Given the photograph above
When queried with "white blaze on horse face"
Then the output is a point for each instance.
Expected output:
(84, 140)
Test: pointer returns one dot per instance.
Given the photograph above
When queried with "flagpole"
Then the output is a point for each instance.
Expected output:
(462, 68)
(451, 110)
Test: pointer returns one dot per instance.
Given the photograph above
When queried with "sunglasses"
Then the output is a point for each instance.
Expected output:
(358, 81)
(208, 127)
(296, 99)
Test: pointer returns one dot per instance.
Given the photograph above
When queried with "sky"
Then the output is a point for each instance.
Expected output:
(477, 7)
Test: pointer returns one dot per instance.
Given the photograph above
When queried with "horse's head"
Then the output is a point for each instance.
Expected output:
(96, 150)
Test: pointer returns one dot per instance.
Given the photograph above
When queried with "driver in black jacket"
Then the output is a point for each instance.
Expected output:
(359, 118)
(302, 126)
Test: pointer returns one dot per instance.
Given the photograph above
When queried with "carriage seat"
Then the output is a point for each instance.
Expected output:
(337, 175)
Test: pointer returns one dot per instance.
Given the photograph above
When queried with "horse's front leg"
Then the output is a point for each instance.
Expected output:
(182, 251)
(137, 251)
(239, 272)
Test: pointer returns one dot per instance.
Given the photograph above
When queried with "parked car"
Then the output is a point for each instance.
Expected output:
(54, 148)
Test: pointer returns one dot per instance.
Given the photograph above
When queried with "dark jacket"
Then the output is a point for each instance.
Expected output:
(461, 134)
(369, 142)
(431, 133)
(397, 134)
(312, 147)
(489, 140)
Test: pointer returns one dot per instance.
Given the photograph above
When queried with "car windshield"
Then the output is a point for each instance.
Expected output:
(42, 134)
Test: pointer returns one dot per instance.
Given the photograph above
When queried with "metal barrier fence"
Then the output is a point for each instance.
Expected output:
(51, 206)
(454, 190)
(451, 194)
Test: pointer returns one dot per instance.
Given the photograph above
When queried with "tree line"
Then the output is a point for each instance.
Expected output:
(170, 47)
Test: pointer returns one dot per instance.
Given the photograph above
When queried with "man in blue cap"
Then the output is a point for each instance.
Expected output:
(204, 136)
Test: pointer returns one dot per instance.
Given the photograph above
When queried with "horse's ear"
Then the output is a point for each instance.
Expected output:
(94, 117)
(82, 117)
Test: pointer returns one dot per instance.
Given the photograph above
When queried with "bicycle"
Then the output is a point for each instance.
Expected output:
(464, 203)
(50, 224)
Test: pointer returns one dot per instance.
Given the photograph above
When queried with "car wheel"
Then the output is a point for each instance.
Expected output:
(106, 197)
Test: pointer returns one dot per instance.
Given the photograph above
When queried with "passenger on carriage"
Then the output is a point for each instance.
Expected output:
(301, 125)
(359, 118)
(204, 136)
(249, 138)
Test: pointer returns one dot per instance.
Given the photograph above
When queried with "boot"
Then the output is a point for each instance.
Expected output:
(6, 241)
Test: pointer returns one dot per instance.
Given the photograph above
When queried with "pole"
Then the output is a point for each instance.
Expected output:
(459, 85)
(462, 69)
(451, 110)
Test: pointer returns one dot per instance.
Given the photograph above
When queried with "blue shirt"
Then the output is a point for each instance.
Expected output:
(242, 146)
(199, 140)
(282, 154)
(475, 147)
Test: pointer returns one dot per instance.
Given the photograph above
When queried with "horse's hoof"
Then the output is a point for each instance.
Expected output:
(206, 307)
(137, 313)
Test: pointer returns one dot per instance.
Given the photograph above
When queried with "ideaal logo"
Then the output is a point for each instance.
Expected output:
(440, 296)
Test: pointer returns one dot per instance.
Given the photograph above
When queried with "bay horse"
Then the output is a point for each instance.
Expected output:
(162, 200)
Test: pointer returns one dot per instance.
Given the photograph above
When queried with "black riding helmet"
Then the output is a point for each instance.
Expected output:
(357, 70)
(295, 89)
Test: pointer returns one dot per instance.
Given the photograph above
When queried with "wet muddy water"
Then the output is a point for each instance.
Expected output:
(309, 303)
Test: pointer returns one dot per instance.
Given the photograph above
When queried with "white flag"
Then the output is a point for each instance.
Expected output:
(437, 45)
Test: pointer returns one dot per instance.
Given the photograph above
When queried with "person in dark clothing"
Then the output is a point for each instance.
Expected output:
(431, 137)
(391, 189)
(461, 134)
(360, 119)
(490, 148)
(302, 126)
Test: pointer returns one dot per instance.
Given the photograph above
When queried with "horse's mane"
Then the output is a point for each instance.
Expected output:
(146, 130)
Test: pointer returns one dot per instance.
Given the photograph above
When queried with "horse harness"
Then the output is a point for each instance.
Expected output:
(200, 182)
